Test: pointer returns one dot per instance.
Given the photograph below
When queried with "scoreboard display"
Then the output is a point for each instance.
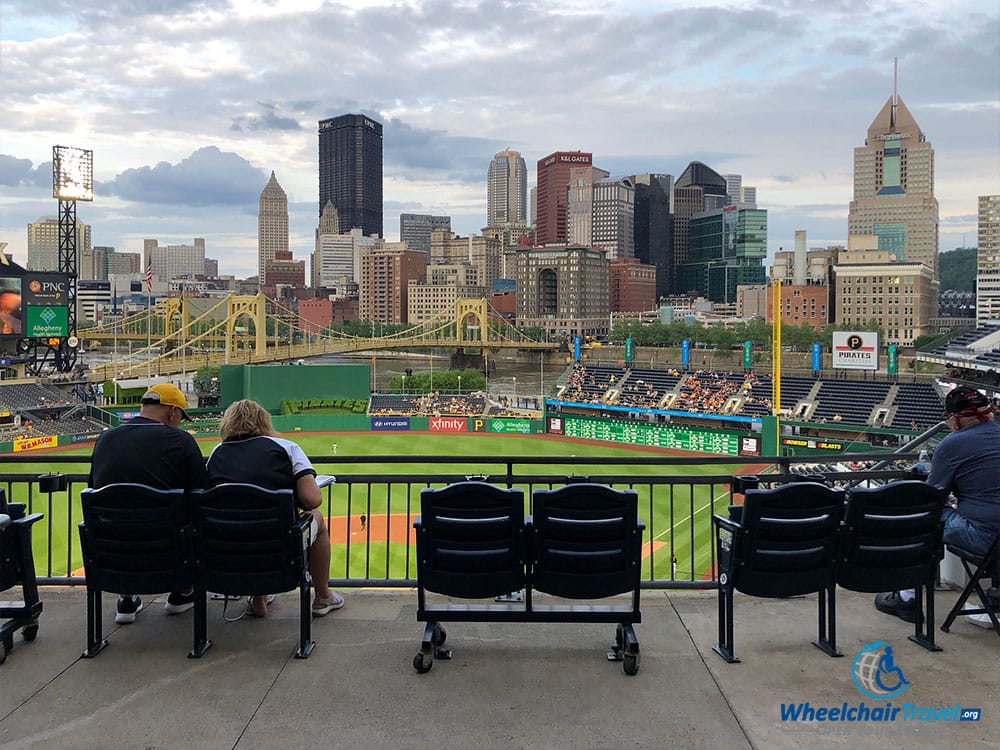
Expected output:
(679, 437)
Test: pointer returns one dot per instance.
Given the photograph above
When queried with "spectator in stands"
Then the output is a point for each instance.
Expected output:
(151, 449)
(965, 463)
(251, 452)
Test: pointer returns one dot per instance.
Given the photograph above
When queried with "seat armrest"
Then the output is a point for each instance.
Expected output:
(726, 523)
(4, 521)
(28, 520)
(418, 523)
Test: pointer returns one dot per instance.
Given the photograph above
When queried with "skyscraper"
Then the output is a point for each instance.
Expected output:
(988, 260)
(272, 226)
(894, 187)
(415, 229)
(507, 189)
(613, 226)
(350, 171)
(553, 180)
(43, 243)
(653, 227)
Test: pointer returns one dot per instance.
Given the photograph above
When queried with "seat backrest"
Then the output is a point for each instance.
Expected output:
(892, 536)
(470, 540)
(586, 541)
(788, 540)
(248, 539)
(136, 539)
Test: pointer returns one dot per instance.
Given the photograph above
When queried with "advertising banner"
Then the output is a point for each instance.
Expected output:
(817, 354)
(891, 359)
(519, 426)
(685, 351)
(629, 349)
(747, 354)
(399, 424)
(31, 444)
(855, 350)
(47, 320)
(446, 424)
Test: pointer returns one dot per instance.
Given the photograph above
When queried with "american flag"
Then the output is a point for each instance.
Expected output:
(149, 278)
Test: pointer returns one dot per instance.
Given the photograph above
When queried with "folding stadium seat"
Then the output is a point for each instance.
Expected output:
(987, 566)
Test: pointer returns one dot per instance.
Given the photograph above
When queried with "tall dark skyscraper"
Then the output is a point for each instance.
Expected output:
(350, 171)
(654, 227)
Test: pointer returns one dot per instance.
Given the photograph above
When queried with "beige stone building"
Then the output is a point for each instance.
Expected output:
(988, 260)
(872, 285)
(482, 253)
(894, 188)
(446, 283)
(563, 290)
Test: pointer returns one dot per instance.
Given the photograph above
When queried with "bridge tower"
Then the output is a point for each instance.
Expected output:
(253, 307)
(471, 322)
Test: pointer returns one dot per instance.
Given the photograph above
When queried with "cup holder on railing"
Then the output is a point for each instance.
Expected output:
(52, 482)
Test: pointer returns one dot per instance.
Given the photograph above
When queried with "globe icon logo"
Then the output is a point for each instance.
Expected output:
(876, 674)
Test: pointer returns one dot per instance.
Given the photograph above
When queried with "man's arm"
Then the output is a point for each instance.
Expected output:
(197, 472)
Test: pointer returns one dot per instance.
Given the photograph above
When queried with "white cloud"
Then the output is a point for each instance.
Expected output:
(189, 104)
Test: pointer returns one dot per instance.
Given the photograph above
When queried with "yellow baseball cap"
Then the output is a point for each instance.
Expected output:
(166, 394)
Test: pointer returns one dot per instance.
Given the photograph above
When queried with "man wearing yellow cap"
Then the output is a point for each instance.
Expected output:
(150, 449)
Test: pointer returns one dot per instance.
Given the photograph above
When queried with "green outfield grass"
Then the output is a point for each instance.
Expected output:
(677, 521)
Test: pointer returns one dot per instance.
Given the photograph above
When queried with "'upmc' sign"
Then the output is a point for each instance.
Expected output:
(855, 350)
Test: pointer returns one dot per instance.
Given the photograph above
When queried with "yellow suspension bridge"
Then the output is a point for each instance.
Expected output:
(242, 329)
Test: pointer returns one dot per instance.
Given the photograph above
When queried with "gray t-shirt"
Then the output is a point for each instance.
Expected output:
(967, 462)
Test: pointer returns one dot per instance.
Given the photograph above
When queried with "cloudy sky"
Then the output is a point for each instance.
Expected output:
(189, 104)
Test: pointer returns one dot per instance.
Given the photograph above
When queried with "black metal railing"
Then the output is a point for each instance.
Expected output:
(371, 514)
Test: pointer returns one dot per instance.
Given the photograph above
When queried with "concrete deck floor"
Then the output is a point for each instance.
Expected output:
(508, 685)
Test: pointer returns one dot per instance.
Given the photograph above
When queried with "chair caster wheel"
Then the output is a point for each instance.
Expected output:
(421, 663)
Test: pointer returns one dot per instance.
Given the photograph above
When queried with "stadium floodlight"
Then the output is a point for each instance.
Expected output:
(72, 173)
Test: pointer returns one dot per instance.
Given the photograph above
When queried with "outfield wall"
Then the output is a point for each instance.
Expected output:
(268, 385)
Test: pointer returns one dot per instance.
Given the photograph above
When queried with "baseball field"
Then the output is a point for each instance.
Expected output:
(371, 507)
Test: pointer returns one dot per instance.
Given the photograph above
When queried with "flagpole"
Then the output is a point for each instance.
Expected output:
(149, 320)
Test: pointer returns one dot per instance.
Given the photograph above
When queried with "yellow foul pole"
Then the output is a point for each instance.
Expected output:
(776, 346)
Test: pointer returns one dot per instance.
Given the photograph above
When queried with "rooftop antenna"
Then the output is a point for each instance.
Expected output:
(895, 96)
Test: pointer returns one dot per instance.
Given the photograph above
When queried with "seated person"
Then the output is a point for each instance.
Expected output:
(250, 452)
(965, 463)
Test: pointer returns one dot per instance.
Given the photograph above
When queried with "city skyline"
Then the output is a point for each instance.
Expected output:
(778, 94)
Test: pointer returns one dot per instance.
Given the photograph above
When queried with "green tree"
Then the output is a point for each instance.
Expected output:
(957, 269)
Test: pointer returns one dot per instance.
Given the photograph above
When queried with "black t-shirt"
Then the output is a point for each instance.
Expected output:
(270, 462)
(148, 452)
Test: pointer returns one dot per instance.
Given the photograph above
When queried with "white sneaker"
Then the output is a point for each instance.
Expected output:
(982, 621)
(513, 596)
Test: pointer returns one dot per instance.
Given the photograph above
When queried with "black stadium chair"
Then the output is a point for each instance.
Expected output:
(586, 543)
(249, 541)
(892, 541)
(17, 568)
(470, 544)
(784, 544)
(135, 539)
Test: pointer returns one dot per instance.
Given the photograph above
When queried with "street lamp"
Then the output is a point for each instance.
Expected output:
(404, 385)
(459, 385)
(515, 390)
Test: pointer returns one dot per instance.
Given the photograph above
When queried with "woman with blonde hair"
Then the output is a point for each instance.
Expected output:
(251, 452)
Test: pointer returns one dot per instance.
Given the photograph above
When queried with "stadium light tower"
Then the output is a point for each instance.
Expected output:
(72, 181)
